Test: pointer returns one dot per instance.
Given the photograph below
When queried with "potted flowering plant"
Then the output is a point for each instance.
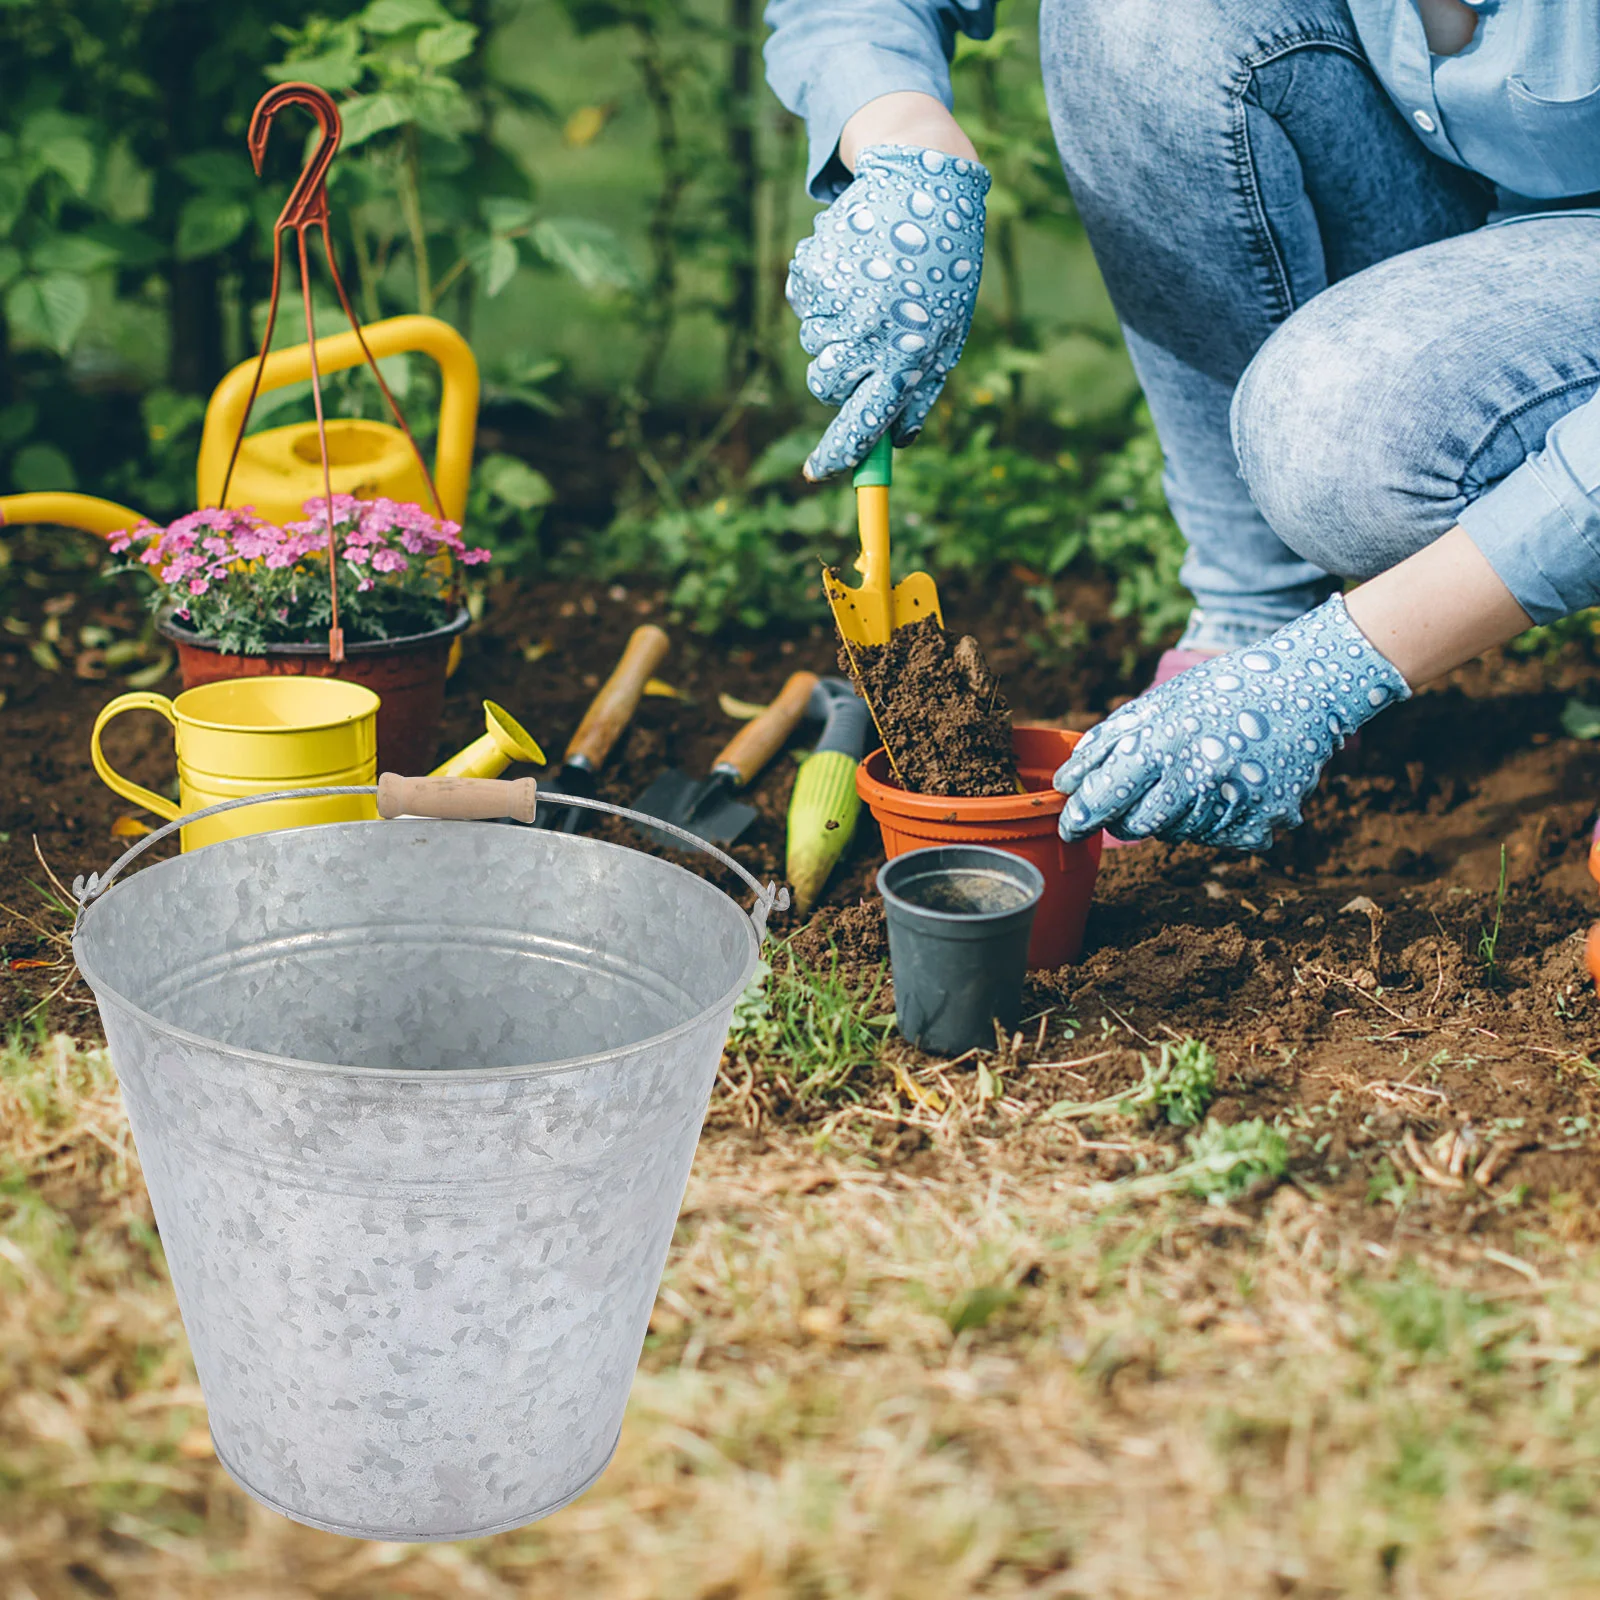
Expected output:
(240, 597)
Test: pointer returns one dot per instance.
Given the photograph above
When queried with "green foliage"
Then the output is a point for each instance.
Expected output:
(1178, 1088)
(505, 507)
(423, 173)
(813, 1027)
(963, 503)
(1225, 1162)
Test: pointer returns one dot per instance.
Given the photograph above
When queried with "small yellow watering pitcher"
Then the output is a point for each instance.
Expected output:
(241, 736)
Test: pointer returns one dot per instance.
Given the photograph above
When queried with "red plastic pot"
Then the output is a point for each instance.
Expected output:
(1025, 824)
(406, 674)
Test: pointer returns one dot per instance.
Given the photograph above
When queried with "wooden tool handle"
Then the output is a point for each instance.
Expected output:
(757, 742)
(611, 709)
(459, 799)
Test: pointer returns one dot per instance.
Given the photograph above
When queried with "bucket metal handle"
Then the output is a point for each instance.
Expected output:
(448, 798)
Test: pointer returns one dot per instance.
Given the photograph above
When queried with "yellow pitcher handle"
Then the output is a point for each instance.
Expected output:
(81, 511)
(458, 400)
(139, 701)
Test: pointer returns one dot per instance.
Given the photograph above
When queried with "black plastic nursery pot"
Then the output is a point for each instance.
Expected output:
(959, 917)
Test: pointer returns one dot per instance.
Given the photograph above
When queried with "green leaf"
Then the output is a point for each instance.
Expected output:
(591, 252)
(503, 213)
(49, 309)
(438, 47)
(371, 114)
(515, 482)
(71, 252)
(395, 16)
(1580, 721)
(39, 468)
(336, 70)
(494, 260)
(127, 186)
(73, 159)
(10, 264)
(209, 222)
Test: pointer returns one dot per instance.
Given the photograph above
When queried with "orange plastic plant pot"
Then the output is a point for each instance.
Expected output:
(1025, 824)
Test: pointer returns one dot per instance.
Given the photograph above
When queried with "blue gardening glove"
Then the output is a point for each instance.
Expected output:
(1225, 752)
(884, 289)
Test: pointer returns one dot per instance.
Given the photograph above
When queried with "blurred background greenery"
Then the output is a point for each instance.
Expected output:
(603, 195)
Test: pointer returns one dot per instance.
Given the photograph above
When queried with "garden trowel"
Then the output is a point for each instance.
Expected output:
(868, 615)
(609, 713)
(706, 806)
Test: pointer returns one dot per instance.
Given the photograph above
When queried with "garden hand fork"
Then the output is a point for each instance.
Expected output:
(868, 615)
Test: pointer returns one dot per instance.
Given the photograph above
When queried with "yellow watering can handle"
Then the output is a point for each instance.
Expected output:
(140, 701)
(458, 403)
(82, 511)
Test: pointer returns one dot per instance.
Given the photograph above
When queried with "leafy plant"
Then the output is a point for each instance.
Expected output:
(814, 1026)
(243, 584)
(1178, 1087)
(1226, 1162)
(422, 172)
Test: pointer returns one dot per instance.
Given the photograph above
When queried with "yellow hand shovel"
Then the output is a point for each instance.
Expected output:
(868, 615)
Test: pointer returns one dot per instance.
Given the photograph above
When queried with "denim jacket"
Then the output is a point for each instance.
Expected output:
(1520, 106)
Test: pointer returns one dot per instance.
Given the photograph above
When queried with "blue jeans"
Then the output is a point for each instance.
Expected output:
(1339, 355)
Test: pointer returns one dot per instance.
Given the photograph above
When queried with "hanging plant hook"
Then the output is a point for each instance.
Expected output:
(307, 208)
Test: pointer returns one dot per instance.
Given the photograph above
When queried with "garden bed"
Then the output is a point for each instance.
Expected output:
(1342, 980)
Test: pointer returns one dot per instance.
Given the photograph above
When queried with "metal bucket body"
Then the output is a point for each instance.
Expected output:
(415, 1278)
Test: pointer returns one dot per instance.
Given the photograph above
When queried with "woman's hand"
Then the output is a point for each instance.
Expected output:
(884, 289)
(1226, 752)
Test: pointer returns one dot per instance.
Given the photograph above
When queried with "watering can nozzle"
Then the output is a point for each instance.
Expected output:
(504, 740)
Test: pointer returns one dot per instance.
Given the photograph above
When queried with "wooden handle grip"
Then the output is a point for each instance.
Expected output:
(757, 742)
(459, 799)
(618, 699)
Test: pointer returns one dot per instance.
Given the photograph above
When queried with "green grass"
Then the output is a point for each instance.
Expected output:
(816, 1027)
(976, 1381)
(1489, 938)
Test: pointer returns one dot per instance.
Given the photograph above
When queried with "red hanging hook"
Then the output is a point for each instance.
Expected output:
(307, 207)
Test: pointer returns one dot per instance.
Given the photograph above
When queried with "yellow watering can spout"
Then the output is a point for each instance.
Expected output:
(504, 741)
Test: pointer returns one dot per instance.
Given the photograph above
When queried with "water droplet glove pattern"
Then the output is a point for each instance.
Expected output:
(1225, 753)
(884, 289)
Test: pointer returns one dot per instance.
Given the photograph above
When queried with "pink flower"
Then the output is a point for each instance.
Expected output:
(475, 558)
(364, 585)
(198, 586)
(389, 561)
(119, 541)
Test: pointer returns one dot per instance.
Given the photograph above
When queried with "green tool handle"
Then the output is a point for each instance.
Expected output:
(877, 468)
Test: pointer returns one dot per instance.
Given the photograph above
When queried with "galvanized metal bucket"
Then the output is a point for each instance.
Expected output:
(416, 1103)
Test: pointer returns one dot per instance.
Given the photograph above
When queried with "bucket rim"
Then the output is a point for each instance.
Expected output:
(439, 1076)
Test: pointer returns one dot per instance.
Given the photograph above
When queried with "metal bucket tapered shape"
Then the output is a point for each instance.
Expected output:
(416, 1103)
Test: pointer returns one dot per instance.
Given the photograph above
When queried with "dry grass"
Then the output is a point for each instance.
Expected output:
(867, 1385)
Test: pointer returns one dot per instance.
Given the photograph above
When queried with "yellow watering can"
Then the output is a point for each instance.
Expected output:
(279, 469)
(244, 736)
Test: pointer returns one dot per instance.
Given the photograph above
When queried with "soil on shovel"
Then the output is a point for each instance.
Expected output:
(939, 710)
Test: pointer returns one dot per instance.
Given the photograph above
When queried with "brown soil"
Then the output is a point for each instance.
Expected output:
(1339, 978)
(939, 710)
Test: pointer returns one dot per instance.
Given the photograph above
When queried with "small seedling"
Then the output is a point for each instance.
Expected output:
(1489, 938)
(1177, 1088)
(1226, 1162)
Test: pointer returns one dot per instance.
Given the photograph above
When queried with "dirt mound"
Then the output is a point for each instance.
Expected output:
(939, 710)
